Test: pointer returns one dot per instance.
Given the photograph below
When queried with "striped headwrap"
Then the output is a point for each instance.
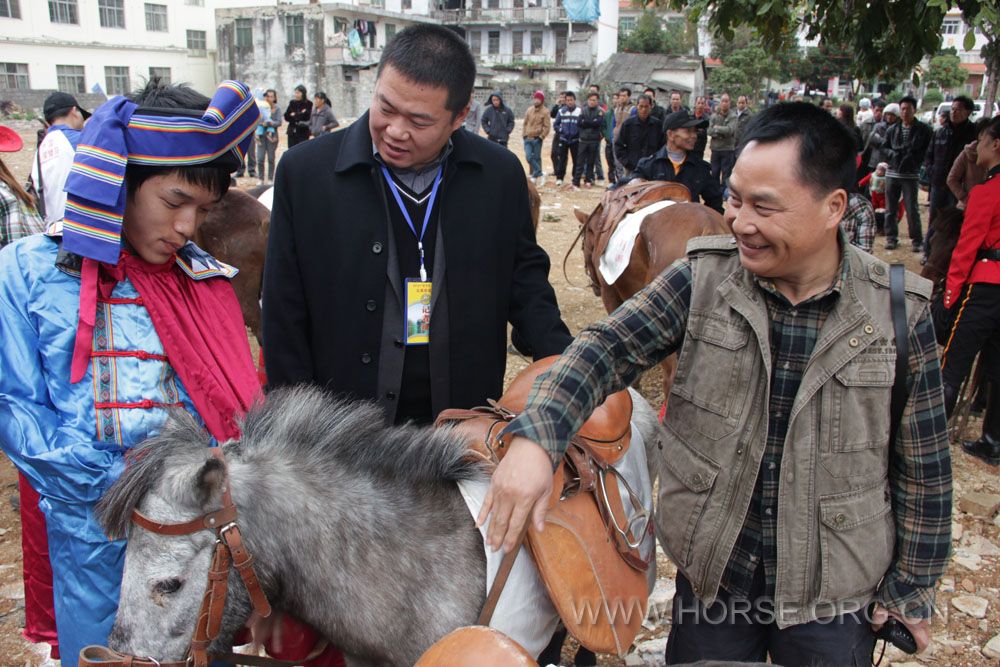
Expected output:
(121, 132)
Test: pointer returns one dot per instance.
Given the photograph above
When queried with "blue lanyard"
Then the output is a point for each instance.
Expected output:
(406, 213)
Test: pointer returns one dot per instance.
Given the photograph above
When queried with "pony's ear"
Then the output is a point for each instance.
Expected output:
(580, 215)
(209, 481)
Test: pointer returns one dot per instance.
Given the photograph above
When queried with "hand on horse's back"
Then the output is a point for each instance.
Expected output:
(519, 491)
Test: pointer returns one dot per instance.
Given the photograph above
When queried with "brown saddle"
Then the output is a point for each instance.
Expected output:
(476, 646)
(588, 555)
(618, 203)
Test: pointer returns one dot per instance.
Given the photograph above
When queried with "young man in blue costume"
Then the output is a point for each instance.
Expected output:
(113, 317)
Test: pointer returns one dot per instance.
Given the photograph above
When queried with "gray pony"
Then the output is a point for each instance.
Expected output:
(356, 528)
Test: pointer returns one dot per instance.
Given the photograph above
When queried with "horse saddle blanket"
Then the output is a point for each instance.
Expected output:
(617, 203)
(525, 611)
(618, 252)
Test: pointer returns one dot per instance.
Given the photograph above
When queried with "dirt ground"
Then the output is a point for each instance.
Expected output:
(957, 636)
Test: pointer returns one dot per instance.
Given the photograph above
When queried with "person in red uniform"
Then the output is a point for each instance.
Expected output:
(973, 286)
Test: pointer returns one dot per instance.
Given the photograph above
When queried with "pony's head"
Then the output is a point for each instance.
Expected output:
(171, 478)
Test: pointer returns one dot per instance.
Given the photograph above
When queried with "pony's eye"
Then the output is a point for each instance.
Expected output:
(167, 586)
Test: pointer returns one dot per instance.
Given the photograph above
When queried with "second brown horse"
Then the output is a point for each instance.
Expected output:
(662, 240)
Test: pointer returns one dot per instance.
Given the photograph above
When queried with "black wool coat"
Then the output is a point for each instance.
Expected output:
(329, 277)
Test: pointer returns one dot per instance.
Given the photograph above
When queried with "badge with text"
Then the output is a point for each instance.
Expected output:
(418, 312)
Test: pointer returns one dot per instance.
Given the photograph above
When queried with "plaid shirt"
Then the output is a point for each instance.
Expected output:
(16, 218)
(611, 354)
(858, 222)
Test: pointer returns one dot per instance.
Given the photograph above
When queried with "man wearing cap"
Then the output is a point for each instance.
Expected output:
(65, 118)
(114, 317)
(674, 162)
(536, 128)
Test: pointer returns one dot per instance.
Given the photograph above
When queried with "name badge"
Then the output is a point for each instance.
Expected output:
(418, 312)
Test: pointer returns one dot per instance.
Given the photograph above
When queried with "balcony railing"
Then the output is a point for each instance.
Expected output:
(336, 55)
(493, 59)
(502, 15)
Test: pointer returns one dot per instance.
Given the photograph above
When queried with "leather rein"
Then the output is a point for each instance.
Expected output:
(229, 552)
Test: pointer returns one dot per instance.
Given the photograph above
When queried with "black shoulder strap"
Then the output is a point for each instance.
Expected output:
(897, 299)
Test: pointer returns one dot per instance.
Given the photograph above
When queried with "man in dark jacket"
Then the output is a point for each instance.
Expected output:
(657, 111)
(566, 128)
(948, 142)
(415, 214)
(701, 111)
(591, 122)
(498, 120)
(640, 136)
(904, 149)
(675, 162)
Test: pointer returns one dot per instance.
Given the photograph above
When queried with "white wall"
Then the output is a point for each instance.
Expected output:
(42, 44)
(607, 31)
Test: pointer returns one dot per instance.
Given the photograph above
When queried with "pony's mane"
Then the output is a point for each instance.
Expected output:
(145, 465)
(307, 424)
(301, 425)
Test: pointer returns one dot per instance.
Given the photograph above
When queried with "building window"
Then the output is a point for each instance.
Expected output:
(626, 25)
(476, 42)
(244, 33)
(493, 43)
(951, 27)
(196, 42)
(561, 85)
(112, 13)
(116, 80)
(63, 11)
(407, 4)
(390, 31)
(161, 73)
(339, 25)
(492, 4)
(9, 9)
(156, 17)
(15, 75)
(536, 42)
(295, 30)
(70, 79)
(518, 46)
(194, 3)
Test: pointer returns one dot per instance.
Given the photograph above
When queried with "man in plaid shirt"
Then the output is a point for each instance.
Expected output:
(781, 500)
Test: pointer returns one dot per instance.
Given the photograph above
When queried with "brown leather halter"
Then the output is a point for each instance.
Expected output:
(229, 551)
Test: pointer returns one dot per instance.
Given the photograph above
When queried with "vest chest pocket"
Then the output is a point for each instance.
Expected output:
(855, 406)
(712, 371)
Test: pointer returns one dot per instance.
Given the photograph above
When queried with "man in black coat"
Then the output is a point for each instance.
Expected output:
(398, 229)
(676, 162)
(640, 136)
(947, 143)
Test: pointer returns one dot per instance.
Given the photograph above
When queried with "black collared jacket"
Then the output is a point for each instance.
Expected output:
(333, 295)
(694, 173)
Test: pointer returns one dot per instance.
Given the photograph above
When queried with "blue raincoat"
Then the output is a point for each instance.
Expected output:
(69, 439)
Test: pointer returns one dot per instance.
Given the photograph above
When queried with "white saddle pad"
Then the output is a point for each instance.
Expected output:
(616, 256)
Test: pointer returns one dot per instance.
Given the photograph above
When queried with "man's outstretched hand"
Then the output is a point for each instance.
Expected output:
(520, 490)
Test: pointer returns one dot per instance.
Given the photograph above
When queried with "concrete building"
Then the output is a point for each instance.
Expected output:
(953, 31)
(665, 74)
(335, 46)
(75, 45)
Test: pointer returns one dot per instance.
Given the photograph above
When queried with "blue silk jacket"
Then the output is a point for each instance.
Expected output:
(69, 439)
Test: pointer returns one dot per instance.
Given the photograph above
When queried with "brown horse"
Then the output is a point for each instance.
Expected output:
(662, 239)
(235, 232)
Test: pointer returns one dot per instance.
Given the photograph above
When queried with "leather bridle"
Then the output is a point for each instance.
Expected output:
(229, 552)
